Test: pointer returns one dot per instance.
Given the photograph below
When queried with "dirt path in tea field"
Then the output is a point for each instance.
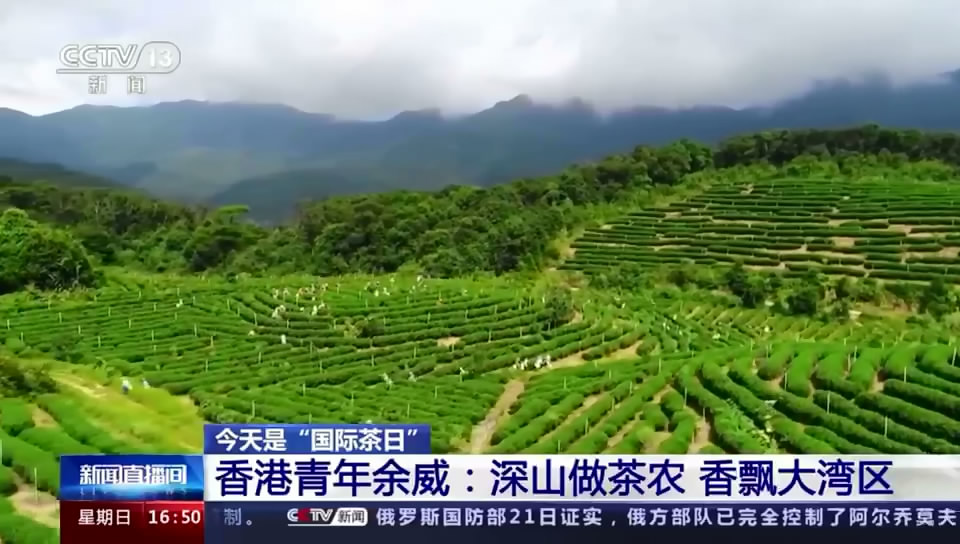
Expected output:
(42, 419)
(622, 433)
(587, 403)
(482, 433)
(625, 353)
(576, 359)
(654, 443)
(145, 423)
(448, 341)
(571, 417)
(702, 436)
(76, 384)
(628, 427)
(659, 436)
(776, 382)
(38, 506)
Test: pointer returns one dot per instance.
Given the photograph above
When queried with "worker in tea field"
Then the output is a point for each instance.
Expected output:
(125, 386)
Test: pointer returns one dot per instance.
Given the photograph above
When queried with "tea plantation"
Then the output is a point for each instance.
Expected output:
(899, 231)
(512, 364)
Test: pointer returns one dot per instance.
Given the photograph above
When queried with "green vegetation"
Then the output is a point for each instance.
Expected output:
(799, 305)
(462, 230)
(897, 231)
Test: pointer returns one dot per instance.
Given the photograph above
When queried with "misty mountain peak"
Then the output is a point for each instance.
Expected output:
(578, 104)
(428, 114)
(270, 156)
(7, 112)
(953, 77)
(519, 102)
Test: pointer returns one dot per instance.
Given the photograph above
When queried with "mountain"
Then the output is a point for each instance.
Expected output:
(23, 172)
(272, 156)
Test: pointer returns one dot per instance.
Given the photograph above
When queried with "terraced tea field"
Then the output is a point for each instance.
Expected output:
(483, 364)
(427, 351)
(902, 231)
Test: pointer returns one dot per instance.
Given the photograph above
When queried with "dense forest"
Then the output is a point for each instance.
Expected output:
(72, 229)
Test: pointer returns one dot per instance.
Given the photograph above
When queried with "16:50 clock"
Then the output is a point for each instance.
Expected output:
(174, 517)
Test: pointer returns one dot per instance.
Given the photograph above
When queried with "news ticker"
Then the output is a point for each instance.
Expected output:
(580, 515)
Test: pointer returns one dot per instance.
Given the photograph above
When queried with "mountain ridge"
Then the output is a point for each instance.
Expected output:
(272, 156)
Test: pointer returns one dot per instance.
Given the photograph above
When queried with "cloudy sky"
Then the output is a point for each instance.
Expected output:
(369, 59)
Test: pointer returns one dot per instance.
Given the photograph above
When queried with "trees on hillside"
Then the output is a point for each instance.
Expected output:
(752, 288)
(460, 229)
(812, 294)
(38, 255)
(938, 298)
(218, 238)
(782, 146)
(806, 295)
(559, 306)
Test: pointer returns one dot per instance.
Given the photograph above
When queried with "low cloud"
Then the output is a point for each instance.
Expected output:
(370, 59)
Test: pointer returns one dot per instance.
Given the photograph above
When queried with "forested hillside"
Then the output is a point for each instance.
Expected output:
(459, 230)
(270, 157)
(51, 173)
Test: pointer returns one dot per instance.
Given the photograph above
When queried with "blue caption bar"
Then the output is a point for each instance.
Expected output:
(251, 439)
(131, 477)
